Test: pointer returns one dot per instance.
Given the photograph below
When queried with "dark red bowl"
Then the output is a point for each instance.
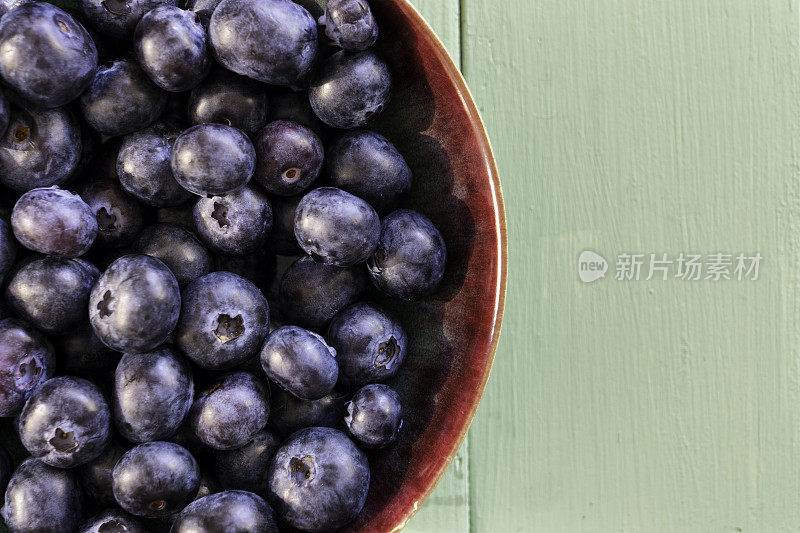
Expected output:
(435, 124)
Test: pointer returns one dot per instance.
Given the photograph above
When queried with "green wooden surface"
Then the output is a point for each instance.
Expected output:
(639, 126)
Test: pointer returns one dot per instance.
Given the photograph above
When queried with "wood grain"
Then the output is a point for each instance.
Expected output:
(641, 126)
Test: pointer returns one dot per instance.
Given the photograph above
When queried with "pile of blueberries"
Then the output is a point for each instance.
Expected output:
(158, 372)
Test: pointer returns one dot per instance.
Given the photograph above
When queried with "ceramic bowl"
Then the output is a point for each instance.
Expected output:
(435, 124)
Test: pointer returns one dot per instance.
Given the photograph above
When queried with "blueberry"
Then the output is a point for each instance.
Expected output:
(227, 414)
(288, 157)
(281, 43)
(26, 361)
(8, 5)
(5, 113)
(210, 159)
(178, 249)
(246, 468)
(224, 321)
(300, 361)
(171, 47)
(152, 395)
(335, 227)
(203, 8)
(39, 148)
(289, 413)
(54, 222)
(112, 521)
(374, 416)
(48, 57)
(143, 167)
(364, 163)
(230, 511)
(83, 354)
(118, 18)
(8, 249)
(42, 498)
(318, 480)
(350, 24)
(227, 98)
(118, 215)
(287, 104)
(66, 422)
(52, 292)
(312, 293)
(411, 257)
(350, 89)
(135, 304)
(281, 239)
(236, 223)
(156, 479)
(121, 98)
(370, 344)
(96, 476)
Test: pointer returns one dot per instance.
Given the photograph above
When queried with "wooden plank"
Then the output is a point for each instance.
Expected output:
(447, 508)
(641, 126)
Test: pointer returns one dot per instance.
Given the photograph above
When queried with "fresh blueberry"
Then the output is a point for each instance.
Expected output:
(364, 163)
(281, 43)
(236, 223)
(411, 257)
(227, 414)
(258, 267)
(370, 344)
(350, 89)
(374, 416)
(152, 395)
(8, 5)
(135, 304)
(287, 104)
(281, 239)
(26, 361)
(143, 167)
(350, 24)
(289, 413)
(210, 159)
(318, 480)
(170, 44)
(48, 57)
(118, 215)
(288, 157)
(230, 99)
(52, 292)
(246, 468)
(112, 521)
(312, 293)
(96, 476)
(118, 18)
(42, 498)
(121, 98)
(156, 479)
(39, 148)
(66, 422)
(224, 321)
(178, 249)
(230, 511)
(335, 227)
(8, 249)
(203, 8)
(83, 354)
(300, 362)
(54, 222)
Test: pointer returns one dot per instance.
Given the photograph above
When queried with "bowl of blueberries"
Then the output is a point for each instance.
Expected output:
(253, 260)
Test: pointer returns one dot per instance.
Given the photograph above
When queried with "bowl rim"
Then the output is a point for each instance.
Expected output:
(502, 243)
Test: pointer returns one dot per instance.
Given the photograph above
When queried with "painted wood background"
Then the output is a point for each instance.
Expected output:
(644, 127)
